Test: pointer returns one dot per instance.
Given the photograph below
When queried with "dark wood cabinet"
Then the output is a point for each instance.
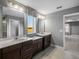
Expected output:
(46, 41)
(37, 45)
(0, 55)
(27, 54)
(19, 51)
(27, 50)
(12, 52)
(40, 44)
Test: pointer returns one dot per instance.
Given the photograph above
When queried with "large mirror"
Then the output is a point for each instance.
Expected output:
(16, 22)
(12, 23)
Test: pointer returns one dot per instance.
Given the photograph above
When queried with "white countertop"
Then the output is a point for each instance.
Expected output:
(9, 42)
(36, 37)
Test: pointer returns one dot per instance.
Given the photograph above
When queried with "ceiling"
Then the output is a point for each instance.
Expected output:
(49, 6)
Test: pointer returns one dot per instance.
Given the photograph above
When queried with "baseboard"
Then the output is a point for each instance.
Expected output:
(58, 46)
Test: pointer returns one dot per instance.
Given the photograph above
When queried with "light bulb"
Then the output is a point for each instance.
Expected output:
(16, 6)
(43, 17)
(39, 16)
(4, 21)
(10, 4)
(21, 9)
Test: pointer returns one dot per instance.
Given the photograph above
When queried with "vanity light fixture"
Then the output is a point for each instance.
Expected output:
(15, 6)
(10, 4)
(41, 17)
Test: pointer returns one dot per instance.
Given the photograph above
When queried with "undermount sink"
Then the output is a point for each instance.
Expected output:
(35, 37)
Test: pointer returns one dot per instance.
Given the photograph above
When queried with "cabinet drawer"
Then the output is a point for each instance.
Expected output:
(27, 45)
(29, 56)
(35, 41)
(28, 53)
(11, 48)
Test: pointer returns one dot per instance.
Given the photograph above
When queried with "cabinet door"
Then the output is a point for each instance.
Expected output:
(12, 52)
(35, 48)
(27, 50)
(0, 54)
(26, 45)
(47, 40)
(40, 44)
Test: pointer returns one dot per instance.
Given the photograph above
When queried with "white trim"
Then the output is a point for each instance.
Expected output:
(57, 46)
(72, 14)
(64, 32)
(64, 25)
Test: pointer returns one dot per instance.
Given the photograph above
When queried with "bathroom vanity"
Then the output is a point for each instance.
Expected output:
(20, 49)
(23, 48)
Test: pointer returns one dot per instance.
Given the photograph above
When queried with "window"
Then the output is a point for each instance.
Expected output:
(31, 22)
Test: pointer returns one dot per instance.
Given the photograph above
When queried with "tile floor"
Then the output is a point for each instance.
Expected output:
(55, 53)
(72, 45)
